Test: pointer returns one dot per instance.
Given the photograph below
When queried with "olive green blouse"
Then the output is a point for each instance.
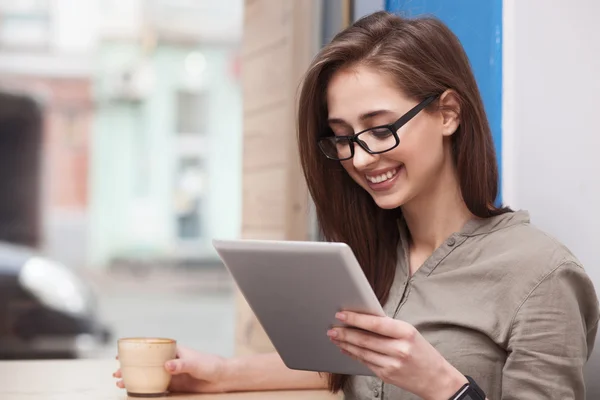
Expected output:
(502, 302)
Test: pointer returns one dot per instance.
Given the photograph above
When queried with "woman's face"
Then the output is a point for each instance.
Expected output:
(359, 98)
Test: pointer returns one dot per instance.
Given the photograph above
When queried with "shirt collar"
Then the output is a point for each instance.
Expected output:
(482, 226)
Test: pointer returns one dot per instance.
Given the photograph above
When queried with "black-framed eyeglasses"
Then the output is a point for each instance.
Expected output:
(374, 140)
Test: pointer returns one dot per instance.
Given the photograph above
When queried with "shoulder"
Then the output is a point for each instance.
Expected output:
(522, 248)
(539, 248)
(526, 263)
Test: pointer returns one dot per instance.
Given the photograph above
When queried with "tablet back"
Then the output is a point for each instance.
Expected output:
(295, 289)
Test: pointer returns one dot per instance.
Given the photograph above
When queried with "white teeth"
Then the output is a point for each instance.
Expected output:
(382, 177)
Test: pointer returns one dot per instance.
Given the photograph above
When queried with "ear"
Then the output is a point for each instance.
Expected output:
(450, 112)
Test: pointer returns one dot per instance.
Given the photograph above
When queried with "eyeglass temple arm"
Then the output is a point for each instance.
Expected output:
(414, 111)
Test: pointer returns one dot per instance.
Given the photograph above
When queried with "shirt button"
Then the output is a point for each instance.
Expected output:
(451, 242)
(376, 393)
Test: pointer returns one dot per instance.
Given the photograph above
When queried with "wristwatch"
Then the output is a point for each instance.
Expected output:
(469, 391)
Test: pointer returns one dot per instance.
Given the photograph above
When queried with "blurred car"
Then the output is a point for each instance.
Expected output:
(46, 311)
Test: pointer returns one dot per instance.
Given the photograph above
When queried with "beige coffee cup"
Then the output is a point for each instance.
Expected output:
(143, 365)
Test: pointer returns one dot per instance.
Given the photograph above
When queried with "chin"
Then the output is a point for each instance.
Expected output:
(389, 202)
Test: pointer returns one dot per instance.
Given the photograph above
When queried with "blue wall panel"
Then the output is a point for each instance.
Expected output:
(478, 25)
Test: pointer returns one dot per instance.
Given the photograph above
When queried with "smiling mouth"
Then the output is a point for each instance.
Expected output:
(383, 177)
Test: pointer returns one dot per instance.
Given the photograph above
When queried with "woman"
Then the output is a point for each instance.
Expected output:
(399, 159)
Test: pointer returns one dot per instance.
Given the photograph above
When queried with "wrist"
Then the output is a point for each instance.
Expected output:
(447, 384)
(227, 375)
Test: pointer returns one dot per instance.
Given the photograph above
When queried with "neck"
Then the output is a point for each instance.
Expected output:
(435, 215)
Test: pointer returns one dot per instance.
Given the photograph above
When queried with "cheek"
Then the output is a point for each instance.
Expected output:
(347, 166)
(423, 154)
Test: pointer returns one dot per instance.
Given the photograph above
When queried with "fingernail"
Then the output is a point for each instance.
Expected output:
(332, 333)
(171, 366)
(340, 316)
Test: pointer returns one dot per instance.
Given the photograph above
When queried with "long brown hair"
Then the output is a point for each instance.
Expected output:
(424, 58)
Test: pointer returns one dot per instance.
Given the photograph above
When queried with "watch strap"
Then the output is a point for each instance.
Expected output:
(473, 385)
(469, 391)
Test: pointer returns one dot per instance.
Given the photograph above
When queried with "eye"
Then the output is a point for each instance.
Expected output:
(380, 133)
(340, 132)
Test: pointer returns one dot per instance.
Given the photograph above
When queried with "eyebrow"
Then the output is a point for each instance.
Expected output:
(362, 117)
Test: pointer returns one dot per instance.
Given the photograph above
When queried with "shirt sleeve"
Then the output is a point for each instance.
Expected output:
(551, 338)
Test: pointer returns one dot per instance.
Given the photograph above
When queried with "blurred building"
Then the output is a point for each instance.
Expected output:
(142, 116)
(44, 53)
(167, 148)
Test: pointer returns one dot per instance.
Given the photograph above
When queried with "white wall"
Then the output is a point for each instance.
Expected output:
(551, 120)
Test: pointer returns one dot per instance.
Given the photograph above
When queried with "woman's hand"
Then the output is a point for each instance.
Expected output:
(192, 372)
(397, 353)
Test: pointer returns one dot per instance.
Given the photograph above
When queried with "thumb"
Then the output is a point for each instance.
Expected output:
(179, 366)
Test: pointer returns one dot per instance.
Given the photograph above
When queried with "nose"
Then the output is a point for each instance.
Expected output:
(362, 160)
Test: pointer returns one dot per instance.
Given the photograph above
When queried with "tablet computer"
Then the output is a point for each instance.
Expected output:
(295, 290)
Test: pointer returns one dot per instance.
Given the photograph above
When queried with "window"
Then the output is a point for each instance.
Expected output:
(192, 111)
(25, 24)
(189, 197)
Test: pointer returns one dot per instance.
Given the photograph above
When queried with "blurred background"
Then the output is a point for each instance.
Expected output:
(133, 132)
(120, 135)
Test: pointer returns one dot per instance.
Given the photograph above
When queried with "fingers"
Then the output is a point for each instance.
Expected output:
(366, 340)
(197, 365)
(363, 355)
(382, 325)
(117, 374)
(179, 366)
(182, 351)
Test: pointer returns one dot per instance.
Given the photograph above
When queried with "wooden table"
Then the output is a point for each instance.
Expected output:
(92, 380)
